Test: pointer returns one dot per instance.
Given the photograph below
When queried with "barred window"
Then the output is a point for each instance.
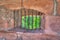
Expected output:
(27, 19)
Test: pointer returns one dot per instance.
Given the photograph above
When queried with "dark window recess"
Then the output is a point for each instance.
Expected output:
(27, 20)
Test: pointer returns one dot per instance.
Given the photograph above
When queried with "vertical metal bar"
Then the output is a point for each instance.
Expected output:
(36, 18)
(14, 17)
(29, 14)
(17, 13)
(28, 17)
(21, 11)
(21, 17)
(18, 18)
(32, 19)
(55, 7)
(25, 16)
(39, 19)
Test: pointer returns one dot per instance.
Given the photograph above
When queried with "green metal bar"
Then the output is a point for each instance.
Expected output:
(28, 17)
(32, 18)
(25, 15)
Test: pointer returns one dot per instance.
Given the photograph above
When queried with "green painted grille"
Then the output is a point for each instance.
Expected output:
(31, 22)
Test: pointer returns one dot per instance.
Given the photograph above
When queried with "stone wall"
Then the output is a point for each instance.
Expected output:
(27, 36)
(50, 23)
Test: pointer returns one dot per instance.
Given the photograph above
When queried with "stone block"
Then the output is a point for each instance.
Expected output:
(8, 35)
(52, 25)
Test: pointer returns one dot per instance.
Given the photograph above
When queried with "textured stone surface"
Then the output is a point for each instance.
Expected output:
(8, 35)
(58, 7)
(45, 6)
(11, 4)
(6, 19)
(52, 25)
(37, 36)
(27, 36)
